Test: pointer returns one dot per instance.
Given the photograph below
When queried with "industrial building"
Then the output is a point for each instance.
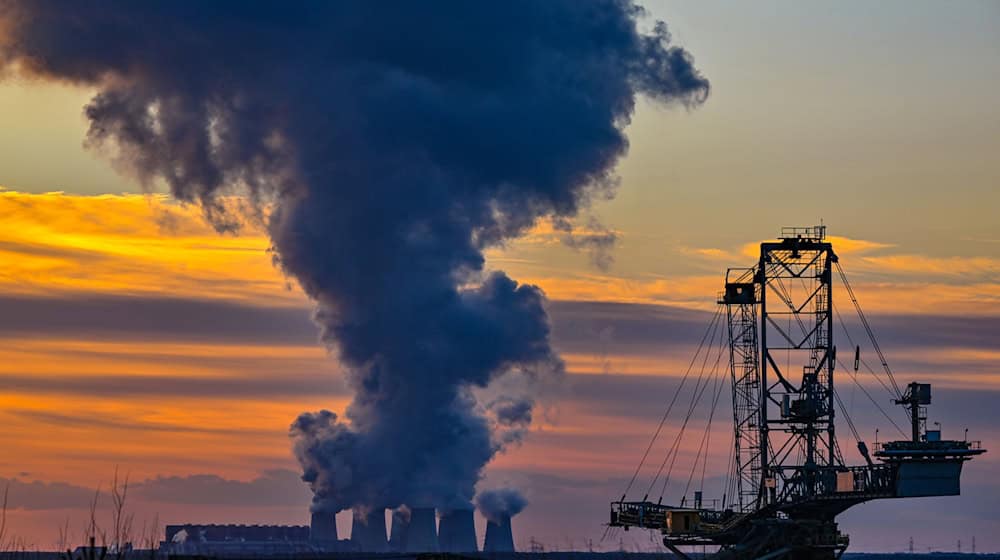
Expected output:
(499, 537)
(236, 540)
(457, 531)
(417, 530)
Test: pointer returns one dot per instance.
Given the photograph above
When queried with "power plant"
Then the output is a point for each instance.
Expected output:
(399, 529)
(413, 531)
(323, 529)
(789, 479)
(368, 531)
(499, 537)
(238, 540)
(421, 533)
(416, 530)
(457, 532)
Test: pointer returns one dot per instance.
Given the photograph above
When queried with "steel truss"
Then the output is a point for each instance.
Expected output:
(797, 429)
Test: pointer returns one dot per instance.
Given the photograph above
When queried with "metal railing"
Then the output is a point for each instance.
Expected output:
(639, 514)
(817, 233)
(940, 445)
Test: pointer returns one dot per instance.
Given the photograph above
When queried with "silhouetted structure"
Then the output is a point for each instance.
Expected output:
(499, 537)
(235, 540)
(368, 532)
(457, 531)
(323, 529)
(782, 357)
(399, 529)
(421, 533)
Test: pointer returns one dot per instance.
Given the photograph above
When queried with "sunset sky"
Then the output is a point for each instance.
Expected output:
(134, 336)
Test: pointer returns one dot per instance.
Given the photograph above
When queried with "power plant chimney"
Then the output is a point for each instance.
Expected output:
(368, 533)
(499, 537)
(323, 529)
(400, 528)
(457, 532)
(421, 533)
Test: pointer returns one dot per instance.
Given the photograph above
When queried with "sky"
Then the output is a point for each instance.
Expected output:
(135, 336)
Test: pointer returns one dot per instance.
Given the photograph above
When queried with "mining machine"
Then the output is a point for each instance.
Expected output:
(788, 477)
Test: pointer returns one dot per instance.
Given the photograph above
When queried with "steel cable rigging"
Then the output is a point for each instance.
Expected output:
(712, 326)
(695, 399)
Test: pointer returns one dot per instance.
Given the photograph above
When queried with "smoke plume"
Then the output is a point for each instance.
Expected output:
(494, 504)
(387, 145)
(597, 242)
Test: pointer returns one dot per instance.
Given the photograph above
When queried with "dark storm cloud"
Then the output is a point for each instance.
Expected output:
(265, 385)
(906, 331)
(642, 399)
(393, 144)
(272, 488)
(637, 397)
(624, 328)
(143, 318)
(577, 326)
(640, 329)
(40, 495)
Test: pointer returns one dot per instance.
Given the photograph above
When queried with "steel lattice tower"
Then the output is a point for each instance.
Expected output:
(797, 439)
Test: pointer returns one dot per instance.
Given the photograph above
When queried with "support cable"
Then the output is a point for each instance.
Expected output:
(687, 418)
(850, 423)
(850, 339)
(854, 377)
(708, 440)
(705, 438)
(695, 397)
(732, 471)
(729, 482)
(868, 329)
(711, 327)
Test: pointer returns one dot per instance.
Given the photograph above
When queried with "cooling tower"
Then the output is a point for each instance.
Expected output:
(399, 529)
(323, 529)
(499, 537)
(421, 534)
(368, 534)
(457, 532)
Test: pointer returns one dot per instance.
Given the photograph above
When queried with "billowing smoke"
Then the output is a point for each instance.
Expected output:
(512, 417)
(511, 411)
(495, 504)
(597, 241)
(387, 145)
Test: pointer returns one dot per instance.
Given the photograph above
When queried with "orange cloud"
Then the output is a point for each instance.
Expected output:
(842, 245)
(147, 244)
(956, 267)
(545, 233)
(129, 245)
(692, 291)
(74, 409)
